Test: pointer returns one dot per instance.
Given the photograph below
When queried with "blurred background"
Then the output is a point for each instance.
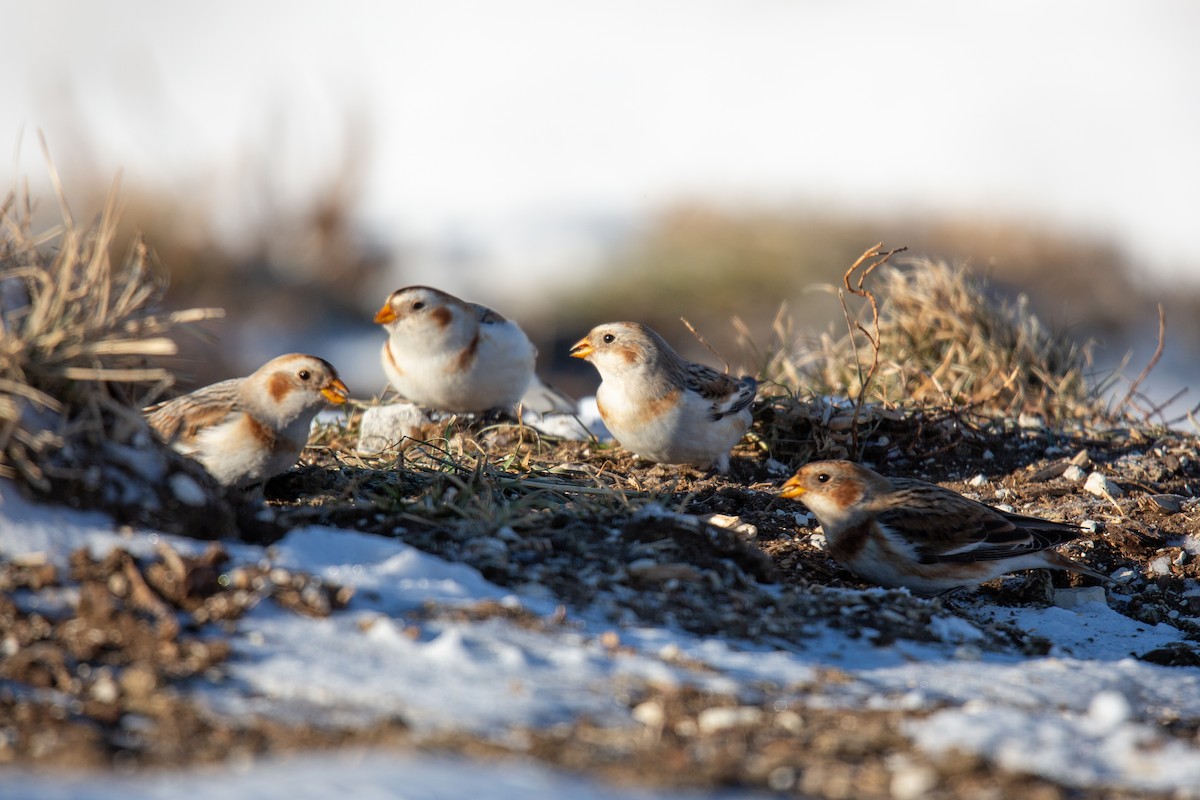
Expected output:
(573, 163)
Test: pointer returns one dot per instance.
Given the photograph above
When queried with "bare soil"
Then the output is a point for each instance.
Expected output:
(100, 663)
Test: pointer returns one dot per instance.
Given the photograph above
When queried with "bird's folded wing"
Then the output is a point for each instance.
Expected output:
(728, 394)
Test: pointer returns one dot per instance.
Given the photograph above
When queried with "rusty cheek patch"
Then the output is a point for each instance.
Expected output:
(387, 351)
(628, 354)
(279, 386)
(441, 315)
(467, 357)
(845, 493)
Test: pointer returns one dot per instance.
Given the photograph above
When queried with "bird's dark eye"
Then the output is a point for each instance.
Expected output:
(609, 338)
(824, 477)
(304, 374)
(417, 306)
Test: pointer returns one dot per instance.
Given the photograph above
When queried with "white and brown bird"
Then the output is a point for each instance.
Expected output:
(905, 532)
(450, 355)
(245, 430)
(660, 405)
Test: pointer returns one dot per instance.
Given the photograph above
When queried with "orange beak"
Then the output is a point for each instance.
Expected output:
(581, 349)
(385, 315)
(792, 488)
(336, 392)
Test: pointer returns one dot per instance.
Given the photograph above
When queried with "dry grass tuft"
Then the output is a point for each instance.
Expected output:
(78, 337)
(943, 341)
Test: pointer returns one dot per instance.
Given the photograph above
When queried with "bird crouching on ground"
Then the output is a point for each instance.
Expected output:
(246, 430)
(449, 355)
(905, 532)
(662, 406)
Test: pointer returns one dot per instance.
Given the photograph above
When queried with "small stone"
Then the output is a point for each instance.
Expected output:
(1101, 486)
(649, 713)
(1049, 473)
(1082, 459)
(1123, 575)
(732, 523)
(386, 427)
(1090, 525)
(1073, 598)
(1031, 421)
(978, 480)
(1166, 503)
(105, 689)
(1074, 473)
(711, 720)
(913, 782)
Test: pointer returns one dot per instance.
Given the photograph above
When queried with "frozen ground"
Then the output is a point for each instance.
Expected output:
(1086, 714)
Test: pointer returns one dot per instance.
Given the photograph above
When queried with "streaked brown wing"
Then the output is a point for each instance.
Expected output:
(729, 395)
(179, 420)
(941, 525)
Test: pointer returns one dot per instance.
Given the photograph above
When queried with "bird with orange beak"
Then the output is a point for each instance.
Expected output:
(905, 532)
(245, 430)
(662, 406)
(449, 355)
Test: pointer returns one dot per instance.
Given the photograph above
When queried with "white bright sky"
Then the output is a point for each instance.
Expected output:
(485, 118)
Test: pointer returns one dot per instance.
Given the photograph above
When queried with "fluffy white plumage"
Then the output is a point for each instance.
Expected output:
(245, 430)
(450, 355)
(660, 405)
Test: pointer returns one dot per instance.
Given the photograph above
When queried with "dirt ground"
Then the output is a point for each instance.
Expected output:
(98, 662)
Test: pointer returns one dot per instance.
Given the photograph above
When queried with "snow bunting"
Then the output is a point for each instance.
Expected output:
(660, 405)
(245, 430)
(450, 355)
(904, 532)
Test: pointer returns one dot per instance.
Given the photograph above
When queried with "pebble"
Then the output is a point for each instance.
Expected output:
(649, 713)
(105, 689)
(1123, 575)
(978, 480)
(384, 427)
(711, 720)
(1101, 486)
(1074, 473)
(1167, 503)
(732, 523)
(913, 782)
(1073, 598)
(1031, 421)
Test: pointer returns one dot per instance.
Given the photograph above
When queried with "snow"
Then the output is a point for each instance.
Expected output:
(364, 776)
(1087, 713)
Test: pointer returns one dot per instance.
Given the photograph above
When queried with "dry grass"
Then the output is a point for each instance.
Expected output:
(79, 332)
(942, 340)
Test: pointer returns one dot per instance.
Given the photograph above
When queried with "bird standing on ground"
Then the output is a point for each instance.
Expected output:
(660, 405)
(245, 430)
(450, 355)
(905, 532)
